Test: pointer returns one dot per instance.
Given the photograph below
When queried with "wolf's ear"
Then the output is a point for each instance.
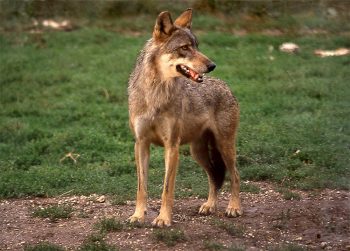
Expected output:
(185, 19)
(164, 26)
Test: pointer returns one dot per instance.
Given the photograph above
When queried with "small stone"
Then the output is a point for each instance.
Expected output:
(251, 235)
(324, 244)
(289, 48)
(101, 199)
(332, 12)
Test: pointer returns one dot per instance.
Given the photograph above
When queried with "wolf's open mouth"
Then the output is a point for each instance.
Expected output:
(189, 73)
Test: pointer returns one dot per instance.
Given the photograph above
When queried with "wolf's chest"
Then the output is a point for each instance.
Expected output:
(164, 127)
(154, 128)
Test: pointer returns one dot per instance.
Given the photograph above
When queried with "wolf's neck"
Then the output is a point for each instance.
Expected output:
(146, 80)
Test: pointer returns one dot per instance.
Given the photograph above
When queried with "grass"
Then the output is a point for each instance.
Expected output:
(44, 246)
(289, 247)
(231, 228)
(213, 245)
(65, 93)
(283, 220)
(119, 200)
(107, 225)
(169, 236)
(54, 212)
(96, 242)
(249, 188)
(288, 195)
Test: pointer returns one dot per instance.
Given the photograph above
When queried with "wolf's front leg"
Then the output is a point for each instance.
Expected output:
(171, 163)
(142, 154)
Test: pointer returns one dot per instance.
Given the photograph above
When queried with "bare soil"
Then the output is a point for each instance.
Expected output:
(319, 220)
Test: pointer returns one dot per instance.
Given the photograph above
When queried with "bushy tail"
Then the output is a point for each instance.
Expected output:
(217, 165)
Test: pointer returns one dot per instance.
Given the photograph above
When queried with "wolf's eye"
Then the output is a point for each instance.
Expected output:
(185, 47)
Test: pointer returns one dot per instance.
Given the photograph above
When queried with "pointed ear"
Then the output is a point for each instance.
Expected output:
(164, 26)
(185, 19)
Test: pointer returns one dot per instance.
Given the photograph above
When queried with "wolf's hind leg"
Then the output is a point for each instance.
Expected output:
(200, 152)
(228, 153)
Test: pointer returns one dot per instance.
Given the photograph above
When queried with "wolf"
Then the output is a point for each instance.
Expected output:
(172, 102)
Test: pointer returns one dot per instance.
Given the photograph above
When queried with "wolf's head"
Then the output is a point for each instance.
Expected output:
(178, 53)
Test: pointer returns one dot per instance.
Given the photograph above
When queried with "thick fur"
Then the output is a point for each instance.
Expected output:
(171, 103)
(217, 168)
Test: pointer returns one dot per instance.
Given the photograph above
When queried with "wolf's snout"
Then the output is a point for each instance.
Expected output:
(211, 67)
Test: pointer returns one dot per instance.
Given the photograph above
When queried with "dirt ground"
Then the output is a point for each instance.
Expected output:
(319, 220)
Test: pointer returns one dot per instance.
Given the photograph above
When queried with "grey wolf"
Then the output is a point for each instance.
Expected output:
(172, 103)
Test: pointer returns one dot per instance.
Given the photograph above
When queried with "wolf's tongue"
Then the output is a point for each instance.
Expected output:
(194, 75)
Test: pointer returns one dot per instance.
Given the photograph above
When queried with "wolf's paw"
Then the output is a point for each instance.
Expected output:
(161, 222)
(207, 209)
(233, 211)
(136, 219)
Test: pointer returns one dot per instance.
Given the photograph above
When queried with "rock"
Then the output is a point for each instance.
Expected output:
(324, 244)
(332, 53)
(332, 12)
(101, 199)
(289, 48)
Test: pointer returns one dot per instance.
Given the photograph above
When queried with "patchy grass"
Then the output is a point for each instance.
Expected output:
(119, 200)
(213, 245)
(289, 247)
(54, 212)
(282, 220)
(107, 225)
(235, 247)
(169, 236)
(288, 195)
(249, 188)
(96, 242)
(43, 246)
(232, 229)
(216, 246)
(64, 118)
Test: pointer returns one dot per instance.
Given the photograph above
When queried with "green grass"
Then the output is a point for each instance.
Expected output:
(65, 92)
(107, 225)
(283, 220)
(43, 246)
(289, 247)
(288, 195)
(213, 245)
(169, 236)
(119, 200)
(250, 188)
(53, 212)
(96, 242)
(231, 228)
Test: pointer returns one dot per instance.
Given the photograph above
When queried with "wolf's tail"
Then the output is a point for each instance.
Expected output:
(217, 168)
